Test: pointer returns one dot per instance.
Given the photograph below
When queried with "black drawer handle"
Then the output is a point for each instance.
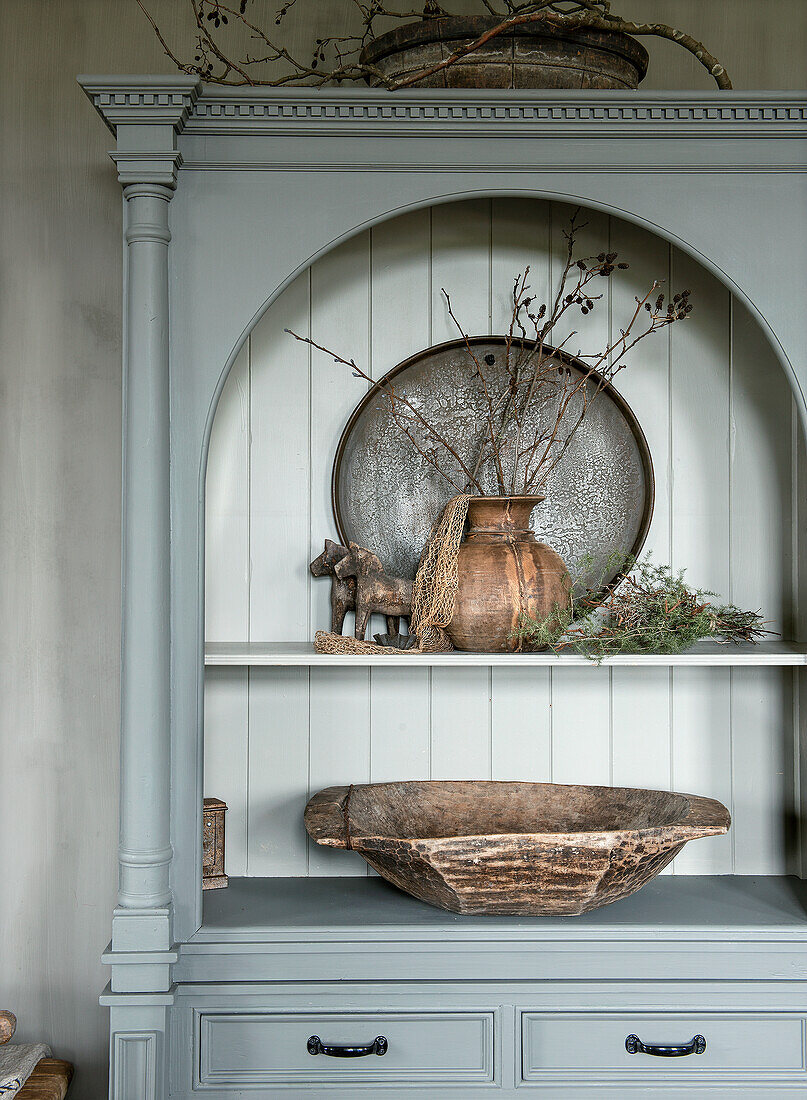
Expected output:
(696, 1045)
(378, 1046)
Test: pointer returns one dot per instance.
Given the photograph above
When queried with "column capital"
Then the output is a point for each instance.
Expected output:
(145, 113)
(148, 167)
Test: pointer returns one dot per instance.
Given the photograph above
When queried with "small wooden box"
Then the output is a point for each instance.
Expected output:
(213, 876)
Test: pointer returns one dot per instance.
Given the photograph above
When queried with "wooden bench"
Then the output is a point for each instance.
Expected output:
(49, 1081)
(51, 1077)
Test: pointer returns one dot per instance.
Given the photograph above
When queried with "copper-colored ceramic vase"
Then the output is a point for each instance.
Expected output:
(504, 572)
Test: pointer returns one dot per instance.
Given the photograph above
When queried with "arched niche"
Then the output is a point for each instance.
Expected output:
(716, 406)
(733, 275)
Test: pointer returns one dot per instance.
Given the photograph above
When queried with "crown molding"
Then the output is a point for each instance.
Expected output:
(142, 100)
(468, 112)
(148, 114)
(188, 105)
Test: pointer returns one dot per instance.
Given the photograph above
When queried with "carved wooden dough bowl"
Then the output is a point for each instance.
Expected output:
(518, 848)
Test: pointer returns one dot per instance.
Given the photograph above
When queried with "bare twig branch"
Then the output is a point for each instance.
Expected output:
(402, 420)
(533, 403)
(209, 16)
(495, 450)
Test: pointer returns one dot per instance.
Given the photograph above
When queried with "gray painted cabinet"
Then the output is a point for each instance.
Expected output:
(229, 195)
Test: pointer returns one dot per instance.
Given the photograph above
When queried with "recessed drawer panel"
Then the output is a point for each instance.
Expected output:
(593, 1046)
(239, 1049)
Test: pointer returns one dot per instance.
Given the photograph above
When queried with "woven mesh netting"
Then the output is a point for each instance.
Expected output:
(433, 592)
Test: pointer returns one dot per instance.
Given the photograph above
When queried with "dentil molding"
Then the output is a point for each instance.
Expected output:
(305, 111)
(186, 105)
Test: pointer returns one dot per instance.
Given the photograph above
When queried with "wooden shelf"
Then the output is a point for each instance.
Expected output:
(678, 928)
(726, 907)
(770, 654)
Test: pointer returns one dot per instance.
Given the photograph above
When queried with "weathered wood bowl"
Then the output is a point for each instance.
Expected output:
(519, 848)
(530, 55)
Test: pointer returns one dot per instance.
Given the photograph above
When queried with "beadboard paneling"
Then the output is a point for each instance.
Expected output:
(339, 713)
(641, 716)
(400, 324)
(712, 402)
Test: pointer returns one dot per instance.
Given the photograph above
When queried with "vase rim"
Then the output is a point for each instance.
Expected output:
(537, 497)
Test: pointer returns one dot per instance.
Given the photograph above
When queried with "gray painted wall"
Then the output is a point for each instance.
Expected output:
(60, 269)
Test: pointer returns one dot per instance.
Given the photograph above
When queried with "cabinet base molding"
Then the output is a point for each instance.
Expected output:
(457, 1039)
(138, 1026)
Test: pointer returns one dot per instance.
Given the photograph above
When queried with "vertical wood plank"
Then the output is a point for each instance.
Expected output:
(401, 289)
(700, 419)
(521, 716)
(641, 727)
(521, 724)
(702, 761)
(460, 709)
(400, 724)
(339, 751)
(581, 726)
(764, 824)
(519, 239)
(340, 319)
(761, 476)
(279, 495)
(641, 735)
(581, 698)
(400, 285)
(761, 577)
(800, 627)
(226, 748)
(227, 510)
(278, 771)
(339, 743)
(227, 521)
(700, 541)
(461, 265)
(280, 470)
(460, 722)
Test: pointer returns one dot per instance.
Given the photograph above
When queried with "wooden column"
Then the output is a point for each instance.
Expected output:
(145, 118)
(145, 848)
(145, 115)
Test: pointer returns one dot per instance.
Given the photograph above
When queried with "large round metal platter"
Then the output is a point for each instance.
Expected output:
(386, 496)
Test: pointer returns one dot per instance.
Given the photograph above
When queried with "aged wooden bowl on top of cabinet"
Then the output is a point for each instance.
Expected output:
(526, 57)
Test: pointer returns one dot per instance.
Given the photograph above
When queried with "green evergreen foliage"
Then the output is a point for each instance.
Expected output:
(652, 610)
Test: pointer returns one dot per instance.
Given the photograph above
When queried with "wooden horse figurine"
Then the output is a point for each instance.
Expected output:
(376, 591)
(343, 589)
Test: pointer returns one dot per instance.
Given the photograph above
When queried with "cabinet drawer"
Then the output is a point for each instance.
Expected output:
(591, 1046)
(255, 1049)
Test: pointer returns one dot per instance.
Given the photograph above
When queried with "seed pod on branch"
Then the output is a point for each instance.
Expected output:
(536, 381)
